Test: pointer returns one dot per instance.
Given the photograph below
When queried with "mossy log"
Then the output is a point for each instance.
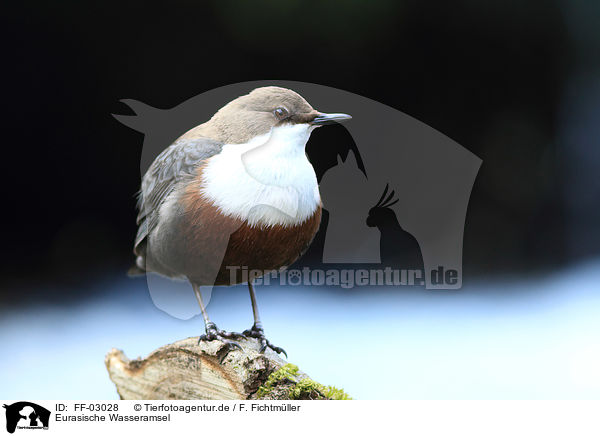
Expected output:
(188, 370)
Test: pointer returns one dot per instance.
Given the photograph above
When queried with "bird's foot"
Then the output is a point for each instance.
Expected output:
(213, 333)
(256, 331)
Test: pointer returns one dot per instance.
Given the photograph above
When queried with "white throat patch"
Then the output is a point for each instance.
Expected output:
(267, 181)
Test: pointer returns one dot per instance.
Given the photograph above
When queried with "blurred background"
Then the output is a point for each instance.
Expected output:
(515, 83)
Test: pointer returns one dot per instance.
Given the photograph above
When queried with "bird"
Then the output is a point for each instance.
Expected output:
(235, 192)
(398, 248)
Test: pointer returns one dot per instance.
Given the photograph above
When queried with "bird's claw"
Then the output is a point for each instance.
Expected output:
(265, 343)
(213, 333)
(257, 332)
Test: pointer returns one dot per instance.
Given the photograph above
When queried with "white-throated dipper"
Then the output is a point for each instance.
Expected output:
(233, 193)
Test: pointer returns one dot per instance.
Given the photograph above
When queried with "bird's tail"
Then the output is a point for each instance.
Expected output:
(144, 117)
(138, 269)
(135, 271)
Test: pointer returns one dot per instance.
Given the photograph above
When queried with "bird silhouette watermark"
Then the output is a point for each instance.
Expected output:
(394, 191)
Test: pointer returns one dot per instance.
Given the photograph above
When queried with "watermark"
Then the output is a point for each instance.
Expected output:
(394, 194)
(25, 415)
(344, 278)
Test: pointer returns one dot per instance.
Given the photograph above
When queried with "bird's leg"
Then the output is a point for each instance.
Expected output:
(256, 331)
(212, 331)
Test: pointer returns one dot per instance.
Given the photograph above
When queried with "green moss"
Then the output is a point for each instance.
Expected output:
(307, 387)
(288, 372)
(302, 388)
(334, 393)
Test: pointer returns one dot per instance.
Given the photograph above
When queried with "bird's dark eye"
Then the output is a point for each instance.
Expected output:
(281, 113)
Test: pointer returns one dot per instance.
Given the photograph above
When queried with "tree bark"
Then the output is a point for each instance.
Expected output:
(188, 370)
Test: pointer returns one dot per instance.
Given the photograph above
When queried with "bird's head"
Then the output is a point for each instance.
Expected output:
(272, 109)
(382, 212)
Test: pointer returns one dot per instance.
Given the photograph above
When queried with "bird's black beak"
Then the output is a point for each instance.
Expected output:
(322, 119)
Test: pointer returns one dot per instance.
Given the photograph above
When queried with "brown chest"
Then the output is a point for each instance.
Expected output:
(215, 242)
(270, 248)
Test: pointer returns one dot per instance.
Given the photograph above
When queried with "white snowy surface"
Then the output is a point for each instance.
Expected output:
(522, 339)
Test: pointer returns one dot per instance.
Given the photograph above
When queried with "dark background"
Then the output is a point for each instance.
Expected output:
(514, 82)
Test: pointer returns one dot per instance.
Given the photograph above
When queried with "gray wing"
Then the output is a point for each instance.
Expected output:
(174, 164)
